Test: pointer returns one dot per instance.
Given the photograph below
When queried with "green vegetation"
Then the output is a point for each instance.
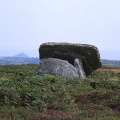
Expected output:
(24, 96)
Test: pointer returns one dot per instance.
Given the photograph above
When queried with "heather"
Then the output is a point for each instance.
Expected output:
(24, 96)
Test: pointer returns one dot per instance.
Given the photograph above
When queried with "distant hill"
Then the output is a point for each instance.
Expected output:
(21, 55)
(24, 59)
(18, 60)
(111, 63)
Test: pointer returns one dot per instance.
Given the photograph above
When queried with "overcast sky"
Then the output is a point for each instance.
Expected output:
(25, 24)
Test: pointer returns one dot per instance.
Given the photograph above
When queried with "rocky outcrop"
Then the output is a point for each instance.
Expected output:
(68, 60)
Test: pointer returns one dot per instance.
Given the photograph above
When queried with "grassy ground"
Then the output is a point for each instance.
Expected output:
(24, 96)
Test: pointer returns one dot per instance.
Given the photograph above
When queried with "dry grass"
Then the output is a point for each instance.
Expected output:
(115, 70)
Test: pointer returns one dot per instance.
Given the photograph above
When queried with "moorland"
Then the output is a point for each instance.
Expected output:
(24, 96)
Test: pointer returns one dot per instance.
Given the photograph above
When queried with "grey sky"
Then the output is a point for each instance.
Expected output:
(25, 24)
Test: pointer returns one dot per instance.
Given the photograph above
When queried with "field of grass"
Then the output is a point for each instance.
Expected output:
(24, 96)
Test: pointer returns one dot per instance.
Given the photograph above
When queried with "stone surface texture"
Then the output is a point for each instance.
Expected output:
(88, 55)
(57, 67)
(78, 65)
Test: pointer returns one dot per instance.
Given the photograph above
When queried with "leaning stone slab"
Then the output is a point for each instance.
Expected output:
(79, 66)
(57, 67)
(88, 54)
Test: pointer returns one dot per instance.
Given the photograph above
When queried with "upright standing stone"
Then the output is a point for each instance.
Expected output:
(79, 66)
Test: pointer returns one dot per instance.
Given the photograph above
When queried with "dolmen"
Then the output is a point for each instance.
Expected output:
(68, 60)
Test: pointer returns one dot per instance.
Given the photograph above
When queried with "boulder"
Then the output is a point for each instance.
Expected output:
(84, 57)
(57, 67)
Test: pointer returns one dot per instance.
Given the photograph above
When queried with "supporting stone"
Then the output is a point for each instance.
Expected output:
(59, 67)
(79, 66)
